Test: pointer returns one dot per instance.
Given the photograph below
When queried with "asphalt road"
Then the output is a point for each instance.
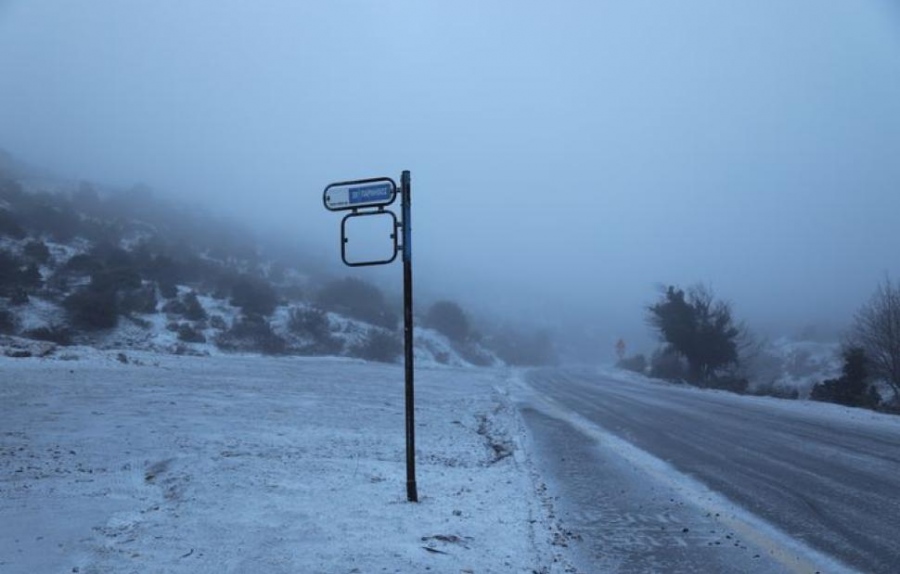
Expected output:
(826, 478)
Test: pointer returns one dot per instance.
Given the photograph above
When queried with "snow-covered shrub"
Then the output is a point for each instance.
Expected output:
(193, 310)
(312, 324)
(852, 388)
(251, 334)
(378, 345)
(636, 363)
(359, 300)
(189, 334)
(58, 334)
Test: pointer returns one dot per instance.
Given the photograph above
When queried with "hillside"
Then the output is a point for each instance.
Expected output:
(125, 269)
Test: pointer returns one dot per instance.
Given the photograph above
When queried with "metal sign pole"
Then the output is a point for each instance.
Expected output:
(368, 198)
(405, 198)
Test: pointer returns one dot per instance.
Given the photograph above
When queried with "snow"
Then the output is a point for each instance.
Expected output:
(140, 462)
(130, 458)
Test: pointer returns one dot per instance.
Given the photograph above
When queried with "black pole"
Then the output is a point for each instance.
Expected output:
(411, 491)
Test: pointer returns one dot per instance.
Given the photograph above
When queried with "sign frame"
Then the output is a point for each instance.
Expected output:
(359, 185)
(393, 237)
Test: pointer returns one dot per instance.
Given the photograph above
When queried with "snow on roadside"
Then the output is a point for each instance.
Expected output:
(116, 462)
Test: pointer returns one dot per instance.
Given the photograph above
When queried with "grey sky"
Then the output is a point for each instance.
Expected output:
(580, 151)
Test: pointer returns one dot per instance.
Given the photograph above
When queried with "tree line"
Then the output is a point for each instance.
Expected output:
(704, 345)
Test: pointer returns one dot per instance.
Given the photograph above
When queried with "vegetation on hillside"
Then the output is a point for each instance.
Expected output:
(106, 259)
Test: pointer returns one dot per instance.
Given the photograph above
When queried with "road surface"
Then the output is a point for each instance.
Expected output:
(811, 483)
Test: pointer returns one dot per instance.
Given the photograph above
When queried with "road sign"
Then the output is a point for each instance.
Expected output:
(377, 193)
(344, 195)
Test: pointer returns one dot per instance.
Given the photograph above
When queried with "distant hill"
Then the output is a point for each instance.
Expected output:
(82, 264)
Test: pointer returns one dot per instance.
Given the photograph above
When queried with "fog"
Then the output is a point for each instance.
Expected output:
(566, 157)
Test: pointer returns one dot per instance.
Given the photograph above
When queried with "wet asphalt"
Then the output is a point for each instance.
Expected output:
(829, 484)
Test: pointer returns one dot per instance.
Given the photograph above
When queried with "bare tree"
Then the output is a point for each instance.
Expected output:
(876, 328)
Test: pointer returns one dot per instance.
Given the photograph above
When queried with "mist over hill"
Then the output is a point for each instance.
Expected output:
(83, 263)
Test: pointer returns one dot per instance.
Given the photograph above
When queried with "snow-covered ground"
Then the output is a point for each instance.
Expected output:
(128, 461)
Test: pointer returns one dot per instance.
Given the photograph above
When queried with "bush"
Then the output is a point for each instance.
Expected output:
(852, 388)
(378, 345)
(92, 310)
(30, 276)
(37, 251)
(637, 363)
(313, 324)
(83, 264)
(8, 323)
(17, 278)
(9, 270)
(666, 364)
(193, 310)
(18, 296)
(447, 318)
(251, 333)
(174, 307)
(9, 225)
(167, 290)
(309, 322)
(115, 279)
(777, 391)
(254, 295)
(60, 222)
(359, 300)
(53, 333)
(164, 270)
(189, 334)
(141, 300)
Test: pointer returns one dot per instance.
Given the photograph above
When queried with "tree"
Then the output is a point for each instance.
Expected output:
(698, 328)
(876, 329)
(447, 318)
(852, 388)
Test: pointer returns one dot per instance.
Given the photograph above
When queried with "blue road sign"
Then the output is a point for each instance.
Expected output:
(378, 192)
(375, 192)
